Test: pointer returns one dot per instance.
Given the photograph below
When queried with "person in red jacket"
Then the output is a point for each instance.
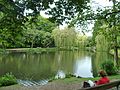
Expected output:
(103, 80)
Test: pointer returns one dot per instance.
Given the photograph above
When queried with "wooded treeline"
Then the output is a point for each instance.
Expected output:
(19, 28)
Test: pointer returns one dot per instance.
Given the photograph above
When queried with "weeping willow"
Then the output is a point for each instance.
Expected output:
(64, 38)
(101, 43)
(55, 34)
(81, 41)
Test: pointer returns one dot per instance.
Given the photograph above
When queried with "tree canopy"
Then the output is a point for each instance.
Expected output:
(61, 10)
(15, 10)
(14, 13)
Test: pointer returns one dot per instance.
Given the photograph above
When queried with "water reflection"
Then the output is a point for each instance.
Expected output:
(36, 67)
(32, 83)
(97, 59)
(83, 67)
(60, 74)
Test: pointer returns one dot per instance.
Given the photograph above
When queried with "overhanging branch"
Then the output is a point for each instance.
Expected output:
(112, 13)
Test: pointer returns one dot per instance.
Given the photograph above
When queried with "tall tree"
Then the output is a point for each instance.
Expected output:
(101, 43)
(38, 33)
(111, 17)
(81, 41)
(64, 38)
(15, 12)
(115, 33)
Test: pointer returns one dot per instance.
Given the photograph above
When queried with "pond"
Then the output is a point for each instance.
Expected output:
(41, 67)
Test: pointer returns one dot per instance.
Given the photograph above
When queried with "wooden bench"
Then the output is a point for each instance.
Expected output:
(104, 86)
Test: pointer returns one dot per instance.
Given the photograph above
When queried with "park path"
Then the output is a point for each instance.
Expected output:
(49, 86)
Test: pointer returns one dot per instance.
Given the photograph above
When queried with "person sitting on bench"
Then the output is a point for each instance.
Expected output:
(103, 80)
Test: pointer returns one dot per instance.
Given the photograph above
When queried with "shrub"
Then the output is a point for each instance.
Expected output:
(109, 67)
(2, 51)
(8, 79)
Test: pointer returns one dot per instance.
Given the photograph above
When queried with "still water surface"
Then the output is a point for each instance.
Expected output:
(56, 64)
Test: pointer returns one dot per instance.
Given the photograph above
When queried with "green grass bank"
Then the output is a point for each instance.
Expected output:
(78, 80)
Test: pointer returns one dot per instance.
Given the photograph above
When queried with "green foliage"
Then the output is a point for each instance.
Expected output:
(34, 34)
(106, 36)
(70, 75)
(64, 38)
(66, 10)
(38, 33)
(15, 10)
(40, 50)
(47, 40)
(101, 43)
(81, 41)
(7, 80)
(13, 18)
(3, 51)
(43, 24)
(68, 39)
(101, 27)
(109, 67)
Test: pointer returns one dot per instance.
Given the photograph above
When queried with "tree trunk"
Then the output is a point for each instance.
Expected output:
(32, 43)
(116, 54)
(115, 36)
(115, 49)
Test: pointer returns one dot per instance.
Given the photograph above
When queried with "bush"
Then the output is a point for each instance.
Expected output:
(109, 67)
(8, 79)
(2, 51)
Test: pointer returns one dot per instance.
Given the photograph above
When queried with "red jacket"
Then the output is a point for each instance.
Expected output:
(103, 80)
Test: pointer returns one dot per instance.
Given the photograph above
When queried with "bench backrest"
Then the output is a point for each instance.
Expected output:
(103, 86)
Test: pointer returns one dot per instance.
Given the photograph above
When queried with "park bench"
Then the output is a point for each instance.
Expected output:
(104, 86)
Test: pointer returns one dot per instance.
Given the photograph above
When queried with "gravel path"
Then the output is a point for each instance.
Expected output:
(49, 86)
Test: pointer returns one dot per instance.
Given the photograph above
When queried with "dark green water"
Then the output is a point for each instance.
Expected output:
(44, 66)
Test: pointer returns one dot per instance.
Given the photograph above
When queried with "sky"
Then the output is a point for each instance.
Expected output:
(103, 2)
(97, 3)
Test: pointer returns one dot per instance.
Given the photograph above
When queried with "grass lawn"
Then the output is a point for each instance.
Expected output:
(32, 50)
(77, 80)
(71, 83)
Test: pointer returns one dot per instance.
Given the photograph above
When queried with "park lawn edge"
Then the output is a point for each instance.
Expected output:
(73, 80)
(78, 80)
